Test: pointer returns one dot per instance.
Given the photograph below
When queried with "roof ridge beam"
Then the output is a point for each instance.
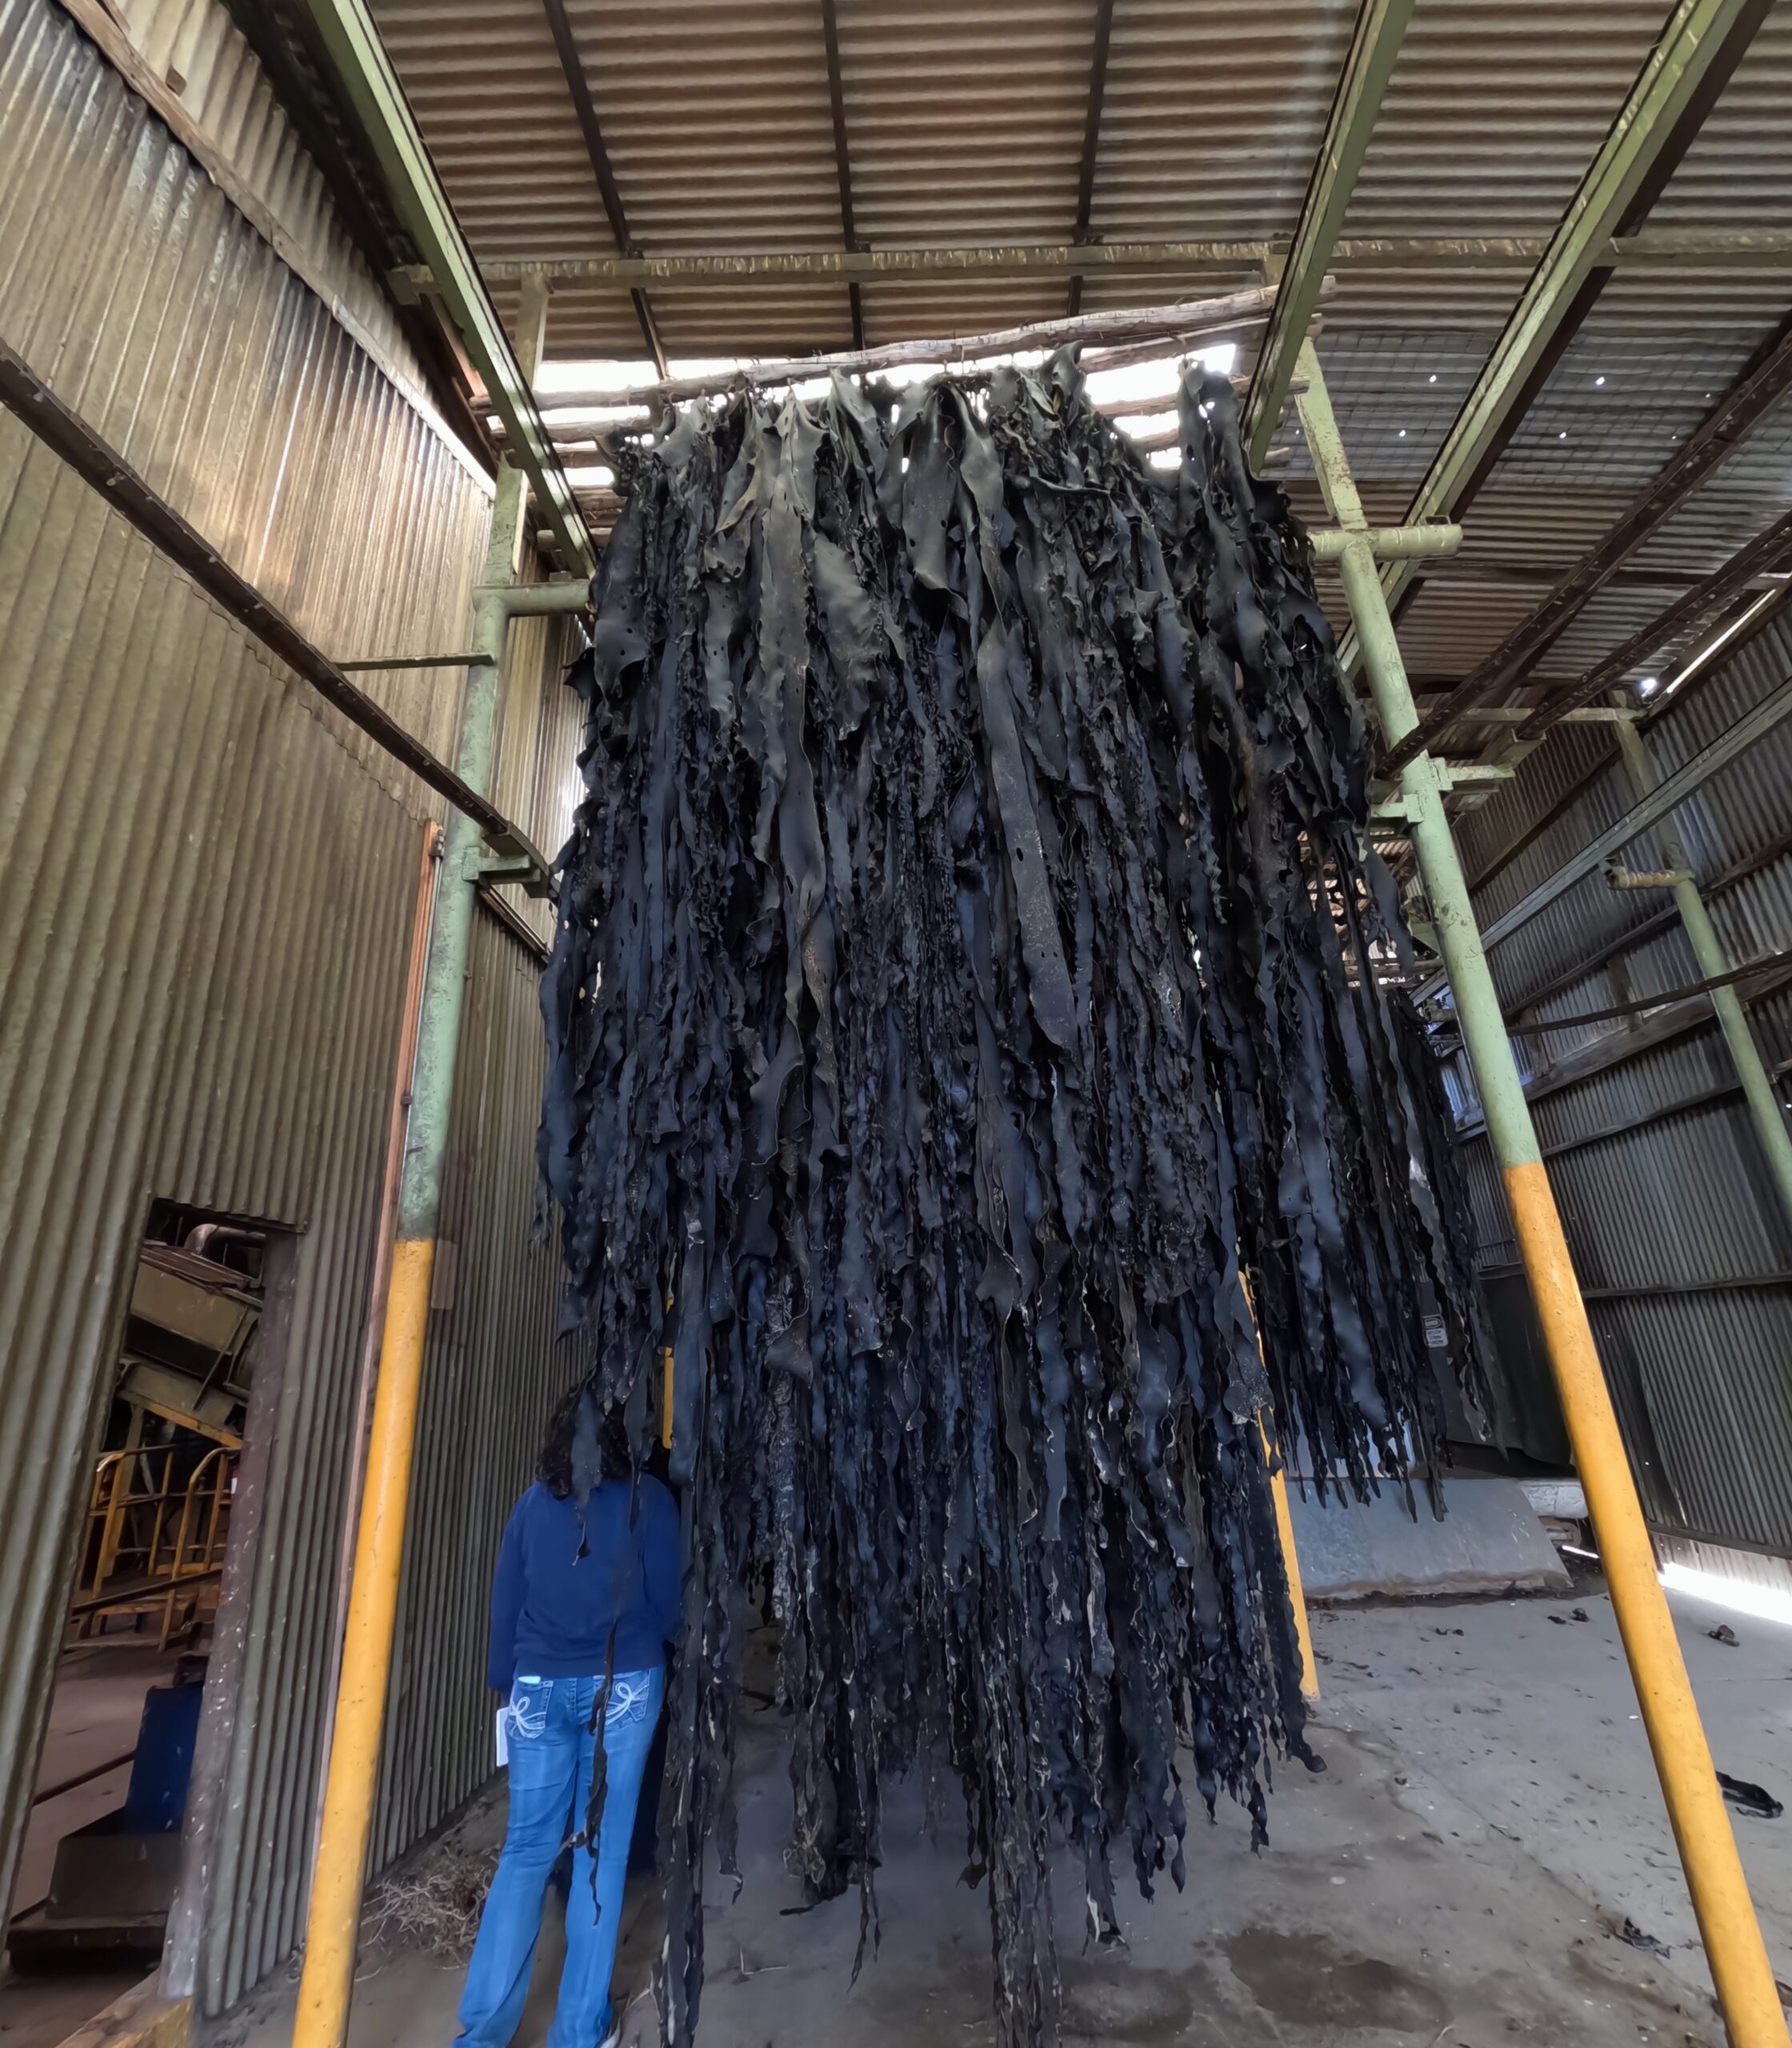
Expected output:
(1693, 248)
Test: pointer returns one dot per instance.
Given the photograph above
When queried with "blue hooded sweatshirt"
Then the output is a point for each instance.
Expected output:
(553, 1610)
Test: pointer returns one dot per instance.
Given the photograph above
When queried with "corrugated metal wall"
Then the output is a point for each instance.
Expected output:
(1680, 1242)
(208, 893)
(200, 55)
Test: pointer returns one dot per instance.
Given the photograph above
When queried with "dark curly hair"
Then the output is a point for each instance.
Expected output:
(554, 1467)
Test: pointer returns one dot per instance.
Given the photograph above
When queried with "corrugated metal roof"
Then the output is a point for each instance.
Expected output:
(486, 87)
(1494, 111)
(966, 124)
(1212, 116)
(1746, 131)
(717, 119)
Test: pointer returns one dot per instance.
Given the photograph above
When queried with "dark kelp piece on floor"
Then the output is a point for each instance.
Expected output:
(967, 982)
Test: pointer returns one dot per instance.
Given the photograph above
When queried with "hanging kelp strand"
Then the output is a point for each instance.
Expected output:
(966, 981)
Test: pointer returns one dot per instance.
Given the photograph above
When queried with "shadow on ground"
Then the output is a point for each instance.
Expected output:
(1389, 1909)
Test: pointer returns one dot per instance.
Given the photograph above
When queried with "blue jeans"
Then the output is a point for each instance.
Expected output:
(552, 1747)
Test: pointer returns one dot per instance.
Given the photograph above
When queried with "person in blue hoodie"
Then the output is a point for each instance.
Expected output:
(585, 1601)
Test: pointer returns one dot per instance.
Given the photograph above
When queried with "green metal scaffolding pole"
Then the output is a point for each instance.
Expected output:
(1758, 1089)
(339, 1872)
(1733, 1947)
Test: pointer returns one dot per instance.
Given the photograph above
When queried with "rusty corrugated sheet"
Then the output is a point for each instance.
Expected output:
(486, 84)
(1746, 132)
(718, 121)
(209, 890)
(1262, 77)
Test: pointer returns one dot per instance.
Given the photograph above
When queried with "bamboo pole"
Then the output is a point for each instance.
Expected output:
(1669, 248)
(1191, 322)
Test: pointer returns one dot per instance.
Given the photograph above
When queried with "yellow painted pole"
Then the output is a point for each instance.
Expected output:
(1291, 1563)
(1285, 1527)
(338, 1873)
(1741, 1970)
(334, 1911)
(1733, 1947)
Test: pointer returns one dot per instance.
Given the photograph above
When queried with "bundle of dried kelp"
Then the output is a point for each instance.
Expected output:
(966, 983)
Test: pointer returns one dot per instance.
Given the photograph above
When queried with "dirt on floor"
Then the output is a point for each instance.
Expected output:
(1460, 1876)
(1524, 1710)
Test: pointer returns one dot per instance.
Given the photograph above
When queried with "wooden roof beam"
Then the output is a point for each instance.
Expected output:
(578, 87)
(843, 162)
(1091, 141)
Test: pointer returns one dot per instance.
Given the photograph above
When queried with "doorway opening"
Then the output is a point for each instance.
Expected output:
(101, 1860)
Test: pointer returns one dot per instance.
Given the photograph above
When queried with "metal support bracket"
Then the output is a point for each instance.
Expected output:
(514, 859)
(1620, 877)
(1451, 775)
(538, 600)
(1388, 543)
(1666, 87)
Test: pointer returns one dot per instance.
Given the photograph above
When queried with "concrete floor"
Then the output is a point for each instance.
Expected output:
(1487, 1820)
(1529, 1719)
(93, 1717)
